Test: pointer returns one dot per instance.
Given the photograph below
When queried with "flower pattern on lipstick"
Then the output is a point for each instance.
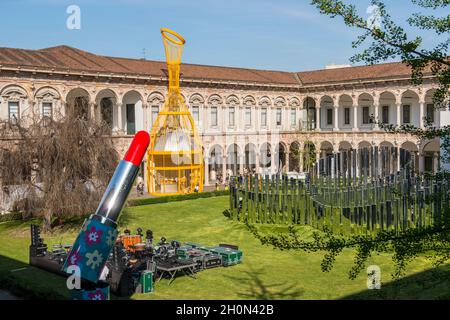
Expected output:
(111, 238)
(97, 295)
(94, 259)
(93, 236)
(74, 258)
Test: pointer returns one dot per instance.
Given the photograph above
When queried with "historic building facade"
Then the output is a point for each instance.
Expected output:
(248, 119)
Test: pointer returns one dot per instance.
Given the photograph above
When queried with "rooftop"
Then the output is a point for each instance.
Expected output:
(68, 58)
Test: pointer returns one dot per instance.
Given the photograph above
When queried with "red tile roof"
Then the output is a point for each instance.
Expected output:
(68, 58)
(378, 71)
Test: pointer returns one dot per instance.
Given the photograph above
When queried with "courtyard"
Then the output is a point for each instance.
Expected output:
(266, 273)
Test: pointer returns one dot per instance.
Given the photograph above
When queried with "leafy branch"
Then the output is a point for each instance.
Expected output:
(405, 245)
(391, 41)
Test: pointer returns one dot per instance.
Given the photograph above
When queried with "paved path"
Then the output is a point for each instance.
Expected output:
(5, 295)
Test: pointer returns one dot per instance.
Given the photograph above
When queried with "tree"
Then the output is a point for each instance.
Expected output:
(389, 40)
(61, 167)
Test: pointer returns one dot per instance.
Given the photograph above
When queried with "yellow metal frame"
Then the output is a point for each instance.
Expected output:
(177, 168)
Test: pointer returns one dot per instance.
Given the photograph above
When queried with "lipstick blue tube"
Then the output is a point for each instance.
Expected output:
(99, 232)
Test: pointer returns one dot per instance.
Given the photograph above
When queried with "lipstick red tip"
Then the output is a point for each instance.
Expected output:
(138, 147)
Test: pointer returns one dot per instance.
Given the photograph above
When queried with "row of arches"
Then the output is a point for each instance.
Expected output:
(296, 157)
(304, 101)
(326, 112)
(156, 96)
(119, 113)
(365, 110)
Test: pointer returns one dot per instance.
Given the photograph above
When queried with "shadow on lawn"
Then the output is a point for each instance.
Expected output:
(29, 282)
(259, 290)
(430, 284)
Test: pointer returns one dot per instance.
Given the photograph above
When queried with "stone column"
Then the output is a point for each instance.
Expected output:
(336, 118)
(145, 115)
(119, 117)
(318, 155)
(273, 165)
(62, 108)
(205, 118)
(355, 117)
(34, 107)
(421, 162)
(270, 121)
(357, 162)
(206, 171)
(285, 124)
(376, 107)
(318, 118)
(222, 122)
(92, 110)
(286, 155)
(416, 161)
(224, 168)
(398, 106)
(239, 117)
(300, 158)
(257, 115)
(333, 165)
(435, 162)
(98, 111)
(241, 160)
(421, 114)
(257, 161)
(380, 164)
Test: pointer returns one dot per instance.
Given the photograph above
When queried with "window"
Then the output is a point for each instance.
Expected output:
(196, 114)
(428, 163)
(430, 112)
(329, 116)
(231, 113)
(264, 117)
(155, 111)
(385, 114)
(106, 111)
(13, 110)
(131, 120)
(47, 109)
(46, 113)
(248, 116)
(293, 116)
(214, 116)
(346, 115)
(311, 119)
(278, 117)
(366, 117)
(406, 113)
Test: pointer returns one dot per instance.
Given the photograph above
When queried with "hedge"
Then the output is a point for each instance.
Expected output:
(12, 216)
(181, 197)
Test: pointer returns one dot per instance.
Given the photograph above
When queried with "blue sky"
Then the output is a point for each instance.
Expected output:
(276, 35)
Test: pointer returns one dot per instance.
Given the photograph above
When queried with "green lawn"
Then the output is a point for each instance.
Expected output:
(265, 274)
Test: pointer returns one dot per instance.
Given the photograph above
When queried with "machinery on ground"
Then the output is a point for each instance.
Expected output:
(136, 264)
(42, 258)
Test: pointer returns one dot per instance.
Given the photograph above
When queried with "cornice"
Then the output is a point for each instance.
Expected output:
(302, 88)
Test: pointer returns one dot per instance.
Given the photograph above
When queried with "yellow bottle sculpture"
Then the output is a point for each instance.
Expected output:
(175, 156)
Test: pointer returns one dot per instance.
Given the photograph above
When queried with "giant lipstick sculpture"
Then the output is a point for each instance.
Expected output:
(99, 232)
